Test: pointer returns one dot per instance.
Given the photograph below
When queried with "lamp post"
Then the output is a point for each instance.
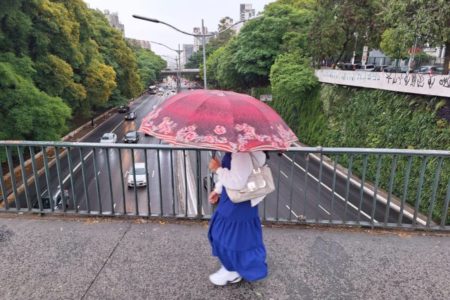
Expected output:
(178, 63)
(354, 51)
(203, 35)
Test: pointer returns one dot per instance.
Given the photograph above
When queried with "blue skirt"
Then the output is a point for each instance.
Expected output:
(235, 235)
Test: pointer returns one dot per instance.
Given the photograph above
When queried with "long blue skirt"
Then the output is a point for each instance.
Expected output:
(235, 235)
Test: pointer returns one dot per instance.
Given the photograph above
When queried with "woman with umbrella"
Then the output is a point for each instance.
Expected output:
(242, 126)
(235, 231)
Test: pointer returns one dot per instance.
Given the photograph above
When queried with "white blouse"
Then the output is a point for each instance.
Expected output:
(241, 167)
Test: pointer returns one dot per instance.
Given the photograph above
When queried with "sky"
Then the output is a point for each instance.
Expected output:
(184, 15)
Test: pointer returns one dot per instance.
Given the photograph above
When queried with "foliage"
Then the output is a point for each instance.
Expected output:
(381, 119)
(26, 112)
(259, 43)
(394, 43)
(294, 88)
(149, 65)
(117, 53)
(65, 53)
(420, 21)
(332, 32)
(211, 67)
(226, 74)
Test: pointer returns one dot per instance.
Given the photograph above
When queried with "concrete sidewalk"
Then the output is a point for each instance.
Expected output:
(87, 258)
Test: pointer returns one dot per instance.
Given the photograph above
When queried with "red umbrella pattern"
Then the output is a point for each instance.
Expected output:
(219, 120)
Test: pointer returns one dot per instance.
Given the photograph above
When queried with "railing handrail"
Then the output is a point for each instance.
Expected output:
(332, 150)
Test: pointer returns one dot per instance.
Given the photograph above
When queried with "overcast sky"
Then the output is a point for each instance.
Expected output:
(184, 15)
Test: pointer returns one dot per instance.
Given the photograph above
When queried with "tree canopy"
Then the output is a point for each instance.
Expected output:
(71, 62)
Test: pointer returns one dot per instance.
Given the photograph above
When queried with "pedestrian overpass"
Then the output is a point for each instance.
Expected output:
(182, 72)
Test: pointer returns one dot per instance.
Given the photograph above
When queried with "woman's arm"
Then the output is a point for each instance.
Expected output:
(236, 177)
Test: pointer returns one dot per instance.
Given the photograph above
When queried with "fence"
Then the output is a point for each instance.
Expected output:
(362, 187)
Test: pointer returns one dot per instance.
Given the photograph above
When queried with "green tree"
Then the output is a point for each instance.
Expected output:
(100, 83)
(212, 64)
(293, 85)
(226, 73)
(26, 112)
(149, 65)
(332, 32)
(394, 44)
(420, 21)
(259, 43)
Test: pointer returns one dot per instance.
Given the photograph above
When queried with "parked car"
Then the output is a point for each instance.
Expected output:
(139, 172)
(367, 68)
(124, 109)
(348, 66)
(152, 89)
(211, 182)
(431, 70)
(130, 116)
(381, 68)
(395, 69)
(131, 137)
(109, 138)
(47, 203)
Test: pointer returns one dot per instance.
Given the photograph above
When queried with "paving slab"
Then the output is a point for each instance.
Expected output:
(50, 258)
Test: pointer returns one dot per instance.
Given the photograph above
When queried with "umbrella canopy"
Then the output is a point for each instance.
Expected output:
(219, 120)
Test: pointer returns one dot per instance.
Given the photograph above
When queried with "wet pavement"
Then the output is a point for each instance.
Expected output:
(104, 258)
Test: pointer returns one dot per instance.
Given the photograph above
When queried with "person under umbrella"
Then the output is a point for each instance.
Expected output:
(235, 231)
(243, 127)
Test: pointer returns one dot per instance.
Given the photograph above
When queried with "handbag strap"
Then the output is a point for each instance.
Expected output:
(254, 162)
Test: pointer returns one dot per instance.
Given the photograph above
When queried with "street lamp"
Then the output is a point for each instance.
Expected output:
(203, 35)
(178, 63)
(354, 51)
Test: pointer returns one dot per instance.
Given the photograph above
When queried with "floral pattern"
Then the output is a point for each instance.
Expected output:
(171, 124)
(220, 130)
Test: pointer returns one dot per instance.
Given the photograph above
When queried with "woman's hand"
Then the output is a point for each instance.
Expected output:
(214, 164)
(213, 197)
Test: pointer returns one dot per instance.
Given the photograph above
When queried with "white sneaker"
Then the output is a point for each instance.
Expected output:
(223, 277)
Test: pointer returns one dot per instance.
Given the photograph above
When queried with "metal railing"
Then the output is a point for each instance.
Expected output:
(349, 186)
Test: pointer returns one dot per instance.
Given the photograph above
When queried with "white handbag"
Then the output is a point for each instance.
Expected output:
(259, 183)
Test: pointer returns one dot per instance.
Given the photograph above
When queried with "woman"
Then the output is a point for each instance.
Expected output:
(235, 230)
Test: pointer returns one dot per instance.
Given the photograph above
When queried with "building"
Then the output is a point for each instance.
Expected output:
(246, 12)
(198, 39)
(139, 43)
(113, 19)
(188, 49)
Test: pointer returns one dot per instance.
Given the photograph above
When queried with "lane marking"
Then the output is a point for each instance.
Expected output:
(326, 211)
(76, 168)
(114, 205)
(371, 192)
(153, 173)
(330, 190)
(292, 211)
(284, 174)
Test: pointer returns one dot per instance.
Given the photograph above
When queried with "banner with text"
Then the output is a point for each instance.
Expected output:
(424, 84)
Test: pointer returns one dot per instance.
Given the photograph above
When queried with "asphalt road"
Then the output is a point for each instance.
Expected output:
(96, 187)
(308, 197)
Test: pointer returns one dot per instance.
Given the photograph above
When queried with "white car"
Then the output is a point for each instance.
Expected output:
(109, 138)
(141, 175)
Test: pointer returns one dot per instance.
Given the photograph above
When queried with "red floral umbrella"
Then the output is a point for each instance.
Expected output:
(219, 120)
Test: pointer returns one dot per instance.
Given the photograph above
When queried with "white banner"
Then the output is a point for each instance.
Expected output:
(413, 83)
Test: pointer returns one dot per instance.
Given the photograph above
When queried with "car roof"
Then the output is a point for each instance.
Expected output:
(109, 134)
(139, 165)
